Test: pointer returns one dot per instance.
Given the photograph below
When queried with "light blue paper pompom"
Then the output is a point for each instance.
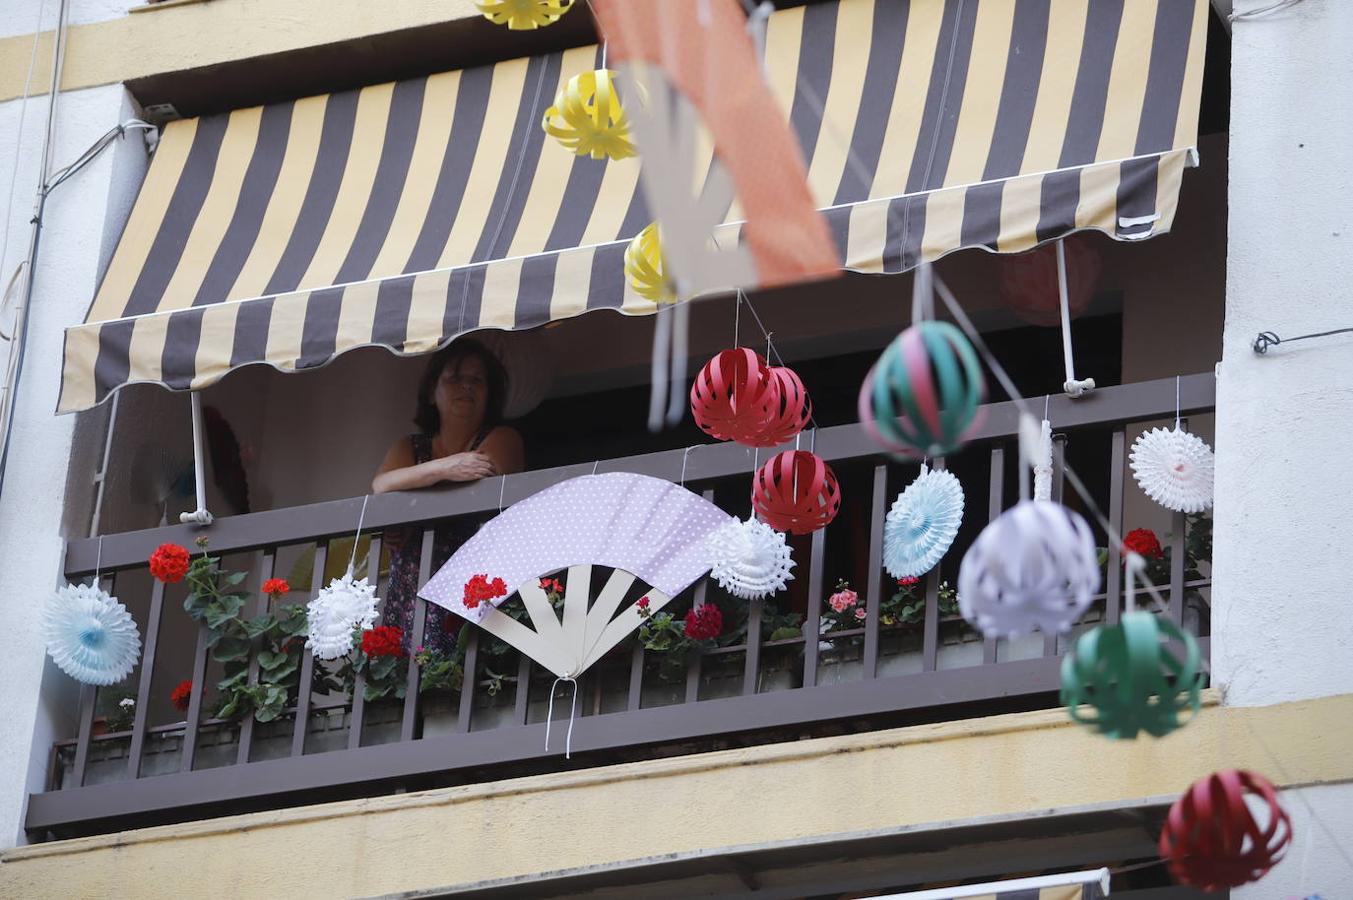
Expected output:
(922, 523)
(91, 636)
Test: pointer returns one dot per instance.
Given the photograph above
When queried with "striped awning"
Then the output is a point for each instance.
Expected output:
(404, 214)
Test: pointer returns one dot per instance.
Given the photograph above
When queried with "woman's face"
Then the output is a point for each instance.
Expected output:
(463, 391)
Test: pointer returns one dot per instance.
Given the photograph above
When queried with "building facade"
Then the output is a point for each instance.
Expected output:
(905, 753)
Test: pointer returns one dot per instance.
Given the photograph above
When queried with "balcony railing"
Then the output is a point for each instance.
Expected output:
(326, 746)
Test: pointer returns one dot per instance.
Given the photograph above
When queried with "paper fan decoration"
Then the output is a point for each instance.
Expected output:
(641, 527)
(523, 15)
(749, 559)
(1211, 838)
(1035, 567)
(336, 612)
(90, 635)
(1174, 468)
(922, 523)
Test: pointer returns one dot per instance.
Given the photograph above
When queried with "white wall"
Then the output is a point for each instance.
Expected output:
(82, 216)
(1283, 607)
(1284, 520)
(21, 16)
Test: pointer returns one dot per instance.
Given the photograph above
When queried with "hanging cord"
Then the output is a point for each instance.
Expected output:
(685, 453)
(502, 489)
(1176, 403)
(573, 711)
(1265, 339)
(98, 563)
(356, 538)
(1261, 12)
(771, 349)
(1074, 387)
(1022, 405)
(737, 317)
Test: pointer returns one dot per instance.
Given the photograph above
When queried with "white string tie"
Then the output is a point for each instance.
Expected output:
(361, 519)
(573, 710)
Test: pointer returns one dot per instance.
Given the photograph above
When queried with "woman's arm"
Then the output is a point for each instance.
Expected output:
(503, 447)
(398, 472)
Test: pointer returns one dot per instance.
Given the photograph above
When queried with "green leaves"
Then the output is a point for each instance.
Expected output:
(231, 649)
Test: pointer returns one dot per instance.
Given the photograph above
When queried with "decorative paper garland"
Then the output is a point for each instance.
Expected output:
(90, 635)
(336, 612)
(796, 491)
(644, 266)
(524, 15)
(1174, 468)
(588, 119)
(922, 524)
(750, 560)
(921, 398)
(1131, 678)
(1211, 839)
(1034, 567)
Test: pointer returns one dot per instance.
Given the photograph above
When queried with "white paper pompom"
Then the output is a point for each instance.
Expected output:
(1035, 567)
(90, 635)
(336, 612)
(922, 523)
(1174, 468)
(749, 559)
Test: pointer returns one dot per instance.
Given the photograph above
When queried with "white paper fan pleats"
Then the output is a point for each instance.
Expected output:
(90, 635)
(1174, 468)
(922, 523)
(749, 559)
(336, 612)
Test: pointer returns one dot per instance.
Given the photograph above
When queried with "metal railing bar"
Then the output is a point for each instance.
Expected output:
(419, 623)
(373, 575)
(199, 675)
(301, 724)
(878, 505)
(813, 620)
(995, 505)
(147, 674)
(752, 662)
(267, 562)
(1123, 403)
(1114, 589)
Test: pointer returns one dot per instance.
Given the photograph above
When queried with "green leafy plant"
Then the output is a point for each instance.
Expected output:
(439, 671)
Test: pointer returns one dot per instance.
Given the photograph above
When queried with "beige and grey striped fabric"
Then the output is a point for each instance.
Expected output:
(404, 214)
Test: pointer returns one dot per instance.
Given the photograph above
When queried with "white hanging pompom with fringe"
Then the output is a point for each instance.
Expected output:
(90, 635)
(1174, 468)
(336, 612)
(1034, 567)
(922, 523)
(749, 560)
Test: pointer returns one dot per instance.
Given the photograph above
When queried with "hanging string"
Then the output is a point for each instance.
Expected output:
(98, 562)
(1176, 403)
(502, 489)
(684, 454)
(737, 317)
(771, 349)
(1116, 539)
(352, 560)
(595, 465)
(573, 710)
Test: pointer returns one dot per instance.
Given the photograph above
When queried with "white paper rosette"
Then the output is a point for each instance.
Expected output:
(922, 523)
(336, 612)
(1174, 468)
(749, 559)
(90, 635)
(1035, 567)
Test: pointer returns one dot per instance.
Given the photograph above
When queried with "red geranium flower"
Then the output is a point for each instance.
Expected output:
(182, 696)
(908, 581)
(704, 623)
(169, 563)
(643, 602)
(479, 588)
(276, 587)
(383, 640)
(1143, 542)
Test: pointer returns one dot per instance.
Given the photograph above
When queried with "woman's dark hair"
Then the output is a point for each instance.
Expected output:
(428, 420)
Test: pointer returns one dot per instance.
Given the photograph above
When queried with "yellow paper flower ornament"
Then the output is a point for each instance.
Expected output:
(587, 117)
(644, 267)
(524, 15)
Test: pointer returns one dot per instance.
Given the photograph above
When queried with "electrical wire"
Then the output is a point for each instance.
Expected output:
(1265, 339)
(1261, 12)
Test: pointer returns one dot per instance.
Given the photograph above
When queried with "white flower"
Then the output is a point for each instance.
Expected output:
(126, 703)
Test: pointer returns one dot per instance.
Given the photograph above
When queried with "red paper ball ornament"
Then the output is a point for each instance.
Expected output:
(1029, 281)
(789, 414)
(1211, 839)
(795, 491)
(734, 396)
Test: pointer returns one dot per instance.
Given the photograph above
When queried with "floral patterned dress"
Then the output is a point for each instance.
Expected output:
(406, 549)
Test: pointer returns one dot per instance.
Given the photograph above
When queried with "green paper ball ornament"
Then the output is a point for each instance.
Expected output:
(1131, 679)
(922, 396)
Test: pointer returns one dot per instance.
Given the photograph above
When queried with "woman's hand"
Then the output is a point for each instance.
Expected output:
(470, 466)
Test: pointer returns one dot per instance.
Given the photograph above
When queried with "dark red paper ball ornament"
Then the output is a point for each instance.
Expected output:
(788, 414)
(1029, 280)
(734, 396)
(795, 491)
(1211, 839)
